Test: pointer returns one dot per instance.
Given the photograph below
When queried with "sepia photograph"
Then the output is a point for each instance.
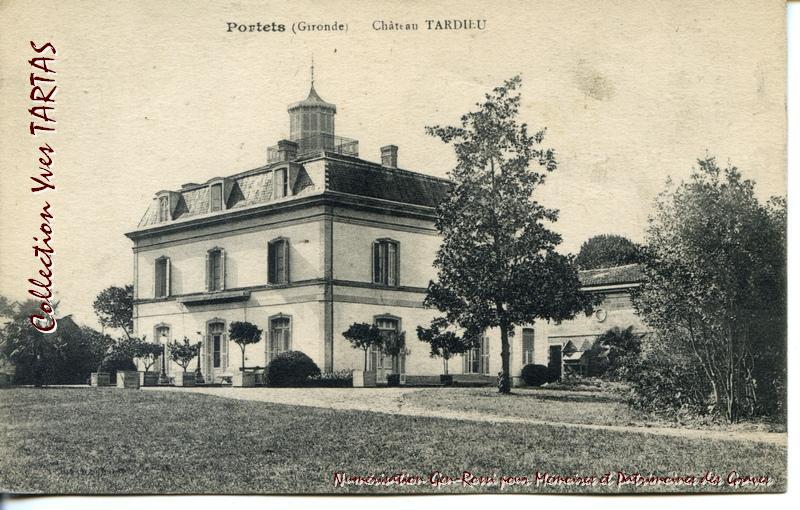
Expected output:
(393, 248)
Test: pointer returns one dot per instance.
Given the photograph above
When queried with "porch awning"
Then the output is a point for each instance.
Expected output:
(215, 297)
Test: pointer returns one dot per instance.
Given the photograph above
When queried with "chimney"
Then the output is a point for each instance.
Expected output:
(389, 156)
(287, 150)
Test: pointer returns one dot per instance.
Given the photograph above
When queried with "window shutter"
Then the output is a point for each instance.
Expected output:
(204, 354)
(168, 282)
(222, 269)
(208, 271)
(285, 247)
(224, 349)
(271, 262)
(376, 277)
(391, 264)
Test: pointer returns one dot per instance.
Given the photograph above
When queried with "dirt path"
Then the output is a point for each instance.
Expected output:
(392, 401)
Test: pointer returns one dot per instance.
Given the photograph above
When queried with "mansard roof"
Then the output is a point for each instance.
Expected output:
(619, 275)
(343, 175)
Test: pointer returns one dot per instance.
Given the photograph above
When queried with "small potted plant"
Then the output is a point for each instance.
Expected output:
(244, 333)
(183, 353)
(364, 336)
(444, 344)
(394, 344)
(147, 353)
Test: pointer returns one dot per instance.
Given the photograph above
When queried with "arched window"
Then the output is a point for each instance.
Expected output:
(215, 269)
(280, 335)
(278, 261)
(162, 277)
(386, 262)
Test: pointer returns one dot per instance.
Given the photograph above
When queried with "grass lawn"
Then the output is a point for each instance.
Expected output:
(586, 405)
(111, 441)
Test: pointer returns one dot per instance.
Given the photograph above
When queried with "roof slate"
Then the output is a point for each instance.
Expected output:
(344, 174)
(631, 273)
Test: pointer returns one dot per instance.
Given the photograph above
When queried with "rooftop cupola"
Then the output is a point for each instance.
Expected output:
(312, 118)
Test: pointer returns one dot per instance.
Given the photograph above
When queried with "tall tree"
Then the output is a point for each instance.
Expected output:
(497, 264)
(364, 336)
(607, 250)
(715, 284)
(114, 308)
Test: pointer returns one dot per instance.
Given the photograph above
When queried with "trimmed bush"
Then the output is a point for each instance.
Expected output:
(291, 368)
(536, 375)
(337, 379)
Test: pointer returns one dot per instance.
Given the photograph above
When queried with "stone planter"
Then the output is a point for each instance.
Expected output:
(99, 379)
(393, 380)
(446, 379)
(148, 378)
(244, 380)
(5, 380)
(128, 380)
(184, 379)
(362, 379)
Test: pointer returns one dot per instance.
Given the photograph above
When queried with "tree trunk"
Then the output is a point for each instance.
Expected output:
(242, 359)
(445, 366)
(365, 360)
(504, 384)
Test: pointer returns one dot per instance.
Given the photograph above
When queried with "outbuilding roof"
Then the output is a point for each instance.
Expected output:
(630, 273)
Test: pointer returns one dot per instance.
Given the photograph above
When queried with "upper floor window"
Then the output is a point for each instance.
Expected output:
(280, 336)
(278, 261)
(215, 269)
(216, 197)
(163, 208)
(385, 262)
(527, 346)
(162, 277)
(281, 183)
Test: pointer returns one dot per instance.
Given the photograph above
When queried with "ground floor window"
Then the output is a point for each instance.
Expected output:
(217, 345)
(476, 360)
(527, 346)
(280, 336)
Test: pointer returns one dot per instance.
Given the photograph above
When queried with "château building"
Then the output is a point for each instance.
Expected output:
(307, 244)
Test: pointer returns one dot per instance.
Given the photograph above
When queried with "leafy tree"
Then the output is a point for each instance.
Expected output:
(183, 352)
(114, 308)
(607, 250)
(619, 346)
(147, 352)
(66, 356)
(444, 344)
(363, 336)
(715, 286)
(497, 264)
(244, 333)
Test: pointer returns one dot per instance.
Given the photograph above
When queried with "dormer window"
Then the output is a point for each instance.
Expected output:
(385, 262)
(163, 208)
(216, 197)
(281, 183)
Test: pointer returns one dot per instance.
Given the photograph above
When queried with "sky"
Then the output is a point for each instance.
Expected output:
(150, 97)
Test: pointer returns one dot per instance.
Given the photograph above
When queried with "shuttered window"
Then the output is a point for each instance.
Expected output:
(162, 277)
(217, 345)
(385, 262)
(215, 270)
(278, 261)
(280, 336)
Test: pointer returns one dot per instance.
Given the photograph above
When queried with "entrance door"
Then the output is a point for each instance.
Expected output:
(554, 362)
(216, 351)
(476, 360)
